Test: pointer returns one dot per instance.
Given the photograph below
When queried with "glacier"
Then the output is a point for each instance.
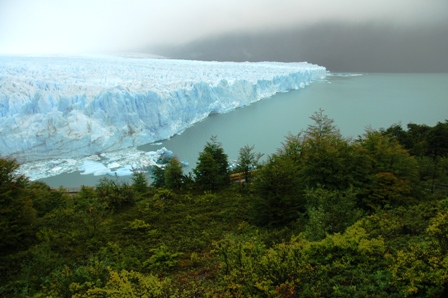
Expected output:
(69, 108)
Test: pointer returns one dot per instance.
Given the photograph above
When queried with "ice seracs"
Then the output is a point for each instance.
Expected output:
(69, 107)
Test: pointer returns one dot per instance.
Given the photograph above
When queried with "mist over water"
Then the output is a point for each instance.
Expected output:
(354, 102)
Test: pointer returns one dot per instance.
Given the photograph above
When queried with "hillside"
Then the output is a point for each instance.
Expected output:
(324, 216)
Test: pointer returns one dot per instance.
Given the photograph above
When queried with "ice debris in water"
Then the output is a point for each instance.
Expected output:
(118, 163)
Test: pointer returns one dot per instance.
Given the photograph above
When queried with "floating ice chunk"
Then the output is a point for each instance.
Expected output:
(56, 169)
(125, 171)
(113, 165)
(94, 167)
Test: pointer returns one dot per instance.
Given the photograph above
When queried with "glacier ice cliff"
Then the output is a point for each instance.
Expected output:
(69, 107)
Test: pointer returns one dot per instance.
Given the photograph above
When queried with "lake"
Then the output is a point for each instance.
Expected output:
(355, 102)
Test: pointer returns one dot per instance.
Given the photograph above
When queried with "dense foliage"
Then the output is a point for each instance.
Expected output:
(324, 216)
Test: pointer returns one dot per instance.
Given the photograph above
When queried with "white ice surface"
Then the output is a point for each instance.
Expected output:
(67, 108)
(120, 163)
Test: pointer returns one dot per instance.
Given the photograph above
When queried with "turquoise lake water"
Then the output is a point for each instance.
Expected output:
(355, 102)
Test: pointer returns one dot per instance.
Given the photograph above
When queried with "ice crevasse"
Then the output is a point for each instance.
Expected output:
(68, 107)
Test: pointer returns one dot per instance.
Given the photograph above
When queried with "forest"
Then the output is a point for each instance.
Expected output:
(323, 216)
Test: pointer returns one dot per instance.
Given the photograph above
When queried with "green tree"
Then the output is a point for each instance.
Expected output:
(207, 172)
(248, 161)
(174, 178)
(327, 159)
(90, 215)
(279, 192)
(158, 177)
(310, 159)
(425, 142)
(322, 126)
(387, 190)
(437, 139)
(391, 171)
(17, 223)
(416, 143)
(211, 172)
(292, 148)
(114, 194)
(330, 211)
(44, 198)
(139, 182)
(413, 139)
(328, 162)
(17, 214)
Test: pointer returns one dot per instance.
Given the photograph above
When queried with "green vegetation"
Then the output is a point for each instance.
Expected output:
(324, 216)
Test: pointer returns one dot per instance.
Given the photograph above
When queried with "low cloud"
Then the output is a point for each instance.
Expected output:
(50, 26)
(339, 46)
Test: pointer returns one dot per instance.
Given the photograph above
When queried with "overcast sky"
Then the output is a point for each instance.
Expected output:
(57, 26)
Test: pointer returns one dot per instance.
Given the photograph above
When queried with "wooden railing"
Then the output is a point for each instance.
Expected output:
(239, 177)
(69, 190)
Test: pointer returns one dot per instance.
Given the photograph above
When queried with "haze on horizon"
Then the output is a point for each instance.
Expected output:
(342, 35)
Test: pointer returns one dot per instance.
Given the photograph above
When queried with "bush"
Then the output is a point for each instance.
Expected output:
(162, 260)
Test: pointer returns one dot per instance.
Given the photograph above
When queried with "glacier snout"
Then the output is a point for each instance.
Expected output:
(68, 107)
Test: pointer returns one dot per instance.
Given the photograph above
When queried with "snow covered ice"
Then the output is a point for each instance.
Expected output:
(70, 108)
